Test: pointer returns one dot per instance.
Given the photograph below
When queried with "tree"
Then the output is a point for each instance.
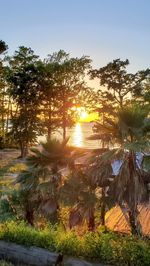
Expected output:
(3, 96)
(49, 98)
(120, 168)
(99, 173)
(69, 81)
(79, 193)
(3, 47)
(142, 94)
(118, 86)
(24, 77)
(43, 179)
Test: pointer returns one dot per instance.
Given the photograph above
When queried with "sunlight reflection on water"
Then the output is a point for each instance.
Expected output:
(77, 138)
(78, 135)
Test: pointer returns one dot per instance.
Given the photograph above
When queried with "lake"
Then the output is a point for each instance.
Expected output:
(78, 135)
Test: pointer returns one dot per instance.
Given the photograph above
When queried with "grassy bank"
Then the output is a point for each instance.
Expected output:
(105, 247)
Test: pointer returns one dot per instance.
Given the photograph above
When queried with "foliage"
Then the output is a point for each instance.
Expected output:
(68, 82)
(119, 84)
(6, 211)
(42, 181)
(127, 185)
(4, 98)
(3, 47)
(106, 247)
(23, 76)
(79, 193)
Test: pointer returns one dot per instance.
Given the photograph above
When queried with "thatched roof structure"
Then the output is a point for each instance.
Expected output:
(116, 221)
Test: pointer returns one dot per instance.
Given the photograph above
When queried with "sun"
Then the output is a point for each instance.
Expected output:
(83, 115)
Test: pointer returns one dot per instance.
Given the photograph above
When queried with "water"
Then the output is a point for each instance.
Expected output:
(78, 135)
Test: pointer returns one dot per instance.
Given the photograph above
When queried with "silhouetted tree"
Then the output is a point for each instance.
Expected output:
(69, 81)
(24, 77)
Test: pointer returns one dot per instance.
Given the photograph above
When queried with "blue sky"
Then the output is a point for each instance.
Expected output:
(103, 29)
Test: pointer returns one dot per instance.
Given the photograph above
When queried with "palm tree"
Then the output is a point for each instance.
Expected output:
(100, 173)
(120, 168)
(43, 178)
(79, 193)
(30, 198)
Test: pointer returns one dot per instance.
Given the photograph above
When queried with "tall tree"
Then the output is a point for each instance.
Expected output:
(24, 77)
(69, 81)
(49, 98)
(122, 165)
(117, 85)
(3, 95)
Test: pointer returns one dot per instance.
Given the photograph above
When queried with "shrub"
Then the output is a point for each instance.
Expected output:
(68, 243)
(135, 252)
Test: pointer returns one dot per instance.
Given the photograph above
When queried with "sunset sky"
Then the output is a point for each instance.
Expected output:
(103, 29)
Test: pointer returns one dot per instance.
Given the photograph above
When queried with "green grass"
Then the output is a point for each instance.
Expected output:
(12, 168)
(107, 247)
(17, 168)
(9, 163)
(4, 169)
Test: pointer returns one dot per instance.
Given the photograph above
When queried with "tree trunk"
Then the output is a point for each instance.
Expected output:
(64, 117)
(64, 132)
(103, 208)
(24, 150)
(29, 215)
(134, 222)
(64, 125)
(49, 133)
(3, 118)
(91, 221)
(133, 199)
(54, 218)
(49, 121)
(19, 255)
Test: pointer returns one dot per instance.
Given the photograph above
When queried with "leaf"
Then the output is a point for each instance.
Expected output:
(75, 218)
(138, 146)
(49, 206)
(146, 163)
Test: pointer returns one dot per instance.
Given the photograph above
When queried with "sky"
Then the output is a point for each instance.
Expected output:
(103, 29)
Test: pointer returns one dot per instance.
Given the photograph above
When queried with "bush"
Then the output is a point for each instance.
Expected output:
(106, 247)
(68, 243)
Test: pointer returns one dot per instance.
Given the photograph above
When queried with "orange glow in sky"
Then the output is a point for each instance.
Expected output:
(84, 116)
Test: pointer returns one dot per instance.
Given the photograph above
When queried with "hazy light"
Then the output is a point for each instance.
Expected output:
(77, 136)
(83, 115)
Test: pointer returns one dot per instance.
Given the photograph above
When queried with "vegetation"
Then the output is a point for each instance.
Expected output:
(64, 202)
(106, 247)
(128, 186)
